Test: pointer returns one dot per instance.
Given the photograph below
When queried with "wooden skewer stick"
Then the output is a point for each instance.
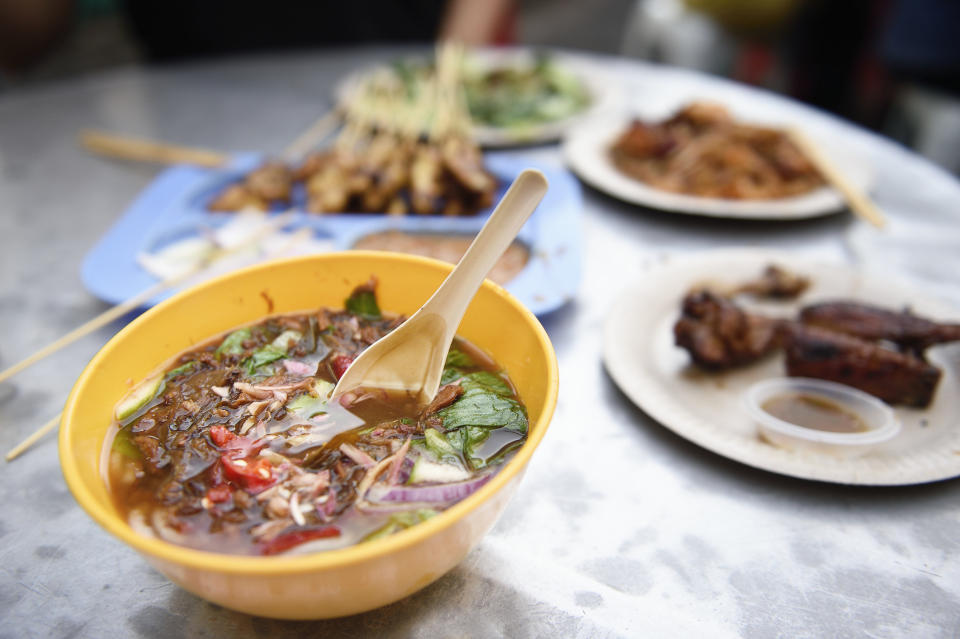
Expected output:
(127, 148)
(135, 302)
(85, 329)
(20, 448)
(856, 199)
(310, 138)
(295, 239)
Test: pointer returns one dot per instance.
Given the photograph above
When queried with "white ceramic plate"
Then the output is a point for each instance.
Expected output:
(587, 73)
(587, 152)
(706, 408)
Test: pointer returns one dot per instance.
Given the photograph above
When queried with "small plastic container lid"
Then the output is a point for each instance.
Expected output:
(877, 416)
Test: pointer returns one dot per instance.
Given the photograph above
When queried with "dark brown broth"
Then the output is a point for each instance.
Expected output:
(167, 469)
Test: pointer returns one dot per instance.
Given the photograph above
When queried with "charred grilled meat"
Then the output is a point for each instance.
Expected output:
(894, 377)
(720, 335)
(776, 283)
(908, 331)
(271, 182)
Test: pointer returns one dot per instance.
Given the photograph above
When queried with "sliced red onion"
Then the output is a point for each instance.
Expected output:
(295, 367)
(437, 493)
(405, 469)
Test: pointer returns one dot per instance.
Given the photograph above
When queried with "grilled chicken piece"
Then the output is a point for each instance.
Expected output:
(910, 332)
(894, 377)
(776, 283)
(272, 181)
(237, 197)
(312, 164)
(720, 335)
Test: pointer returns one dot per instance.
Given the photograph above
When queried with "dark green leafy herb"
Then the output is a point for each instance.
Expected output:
(233, 343)
(467, 441)
(485, 380)
(450, 375)
(261, 356)
(482, 407)
(181, 370)
(458, 359)
(363, 302)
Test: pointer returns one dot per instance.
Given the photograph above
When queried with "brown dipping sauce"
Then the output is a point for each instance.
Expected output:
(449, 248)
(816, 413)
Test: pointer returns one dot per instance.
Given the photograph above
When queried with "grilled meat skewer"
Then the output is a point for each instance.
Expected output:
(908, 331)
(720, 335)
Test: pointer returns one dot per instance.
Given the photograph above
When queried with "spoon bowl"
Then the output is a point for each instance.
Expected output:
(411, 357)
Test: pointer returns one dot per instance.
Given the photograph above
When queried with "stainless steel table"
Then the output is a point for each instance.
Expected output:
(620, 528)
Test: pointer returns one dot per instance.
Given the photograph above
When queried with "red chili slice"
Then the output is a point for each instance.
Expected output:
(289, 540)
(253, 474)
(340, 364)
(221, 435)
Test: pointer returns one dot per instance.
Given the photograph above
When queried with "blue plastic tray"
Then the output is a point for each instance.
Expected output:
(174, 206)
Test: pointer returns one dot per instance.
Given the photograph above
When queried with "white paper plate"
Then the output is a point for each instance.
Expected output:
(705, 408)
(592, 77)
(587, 152)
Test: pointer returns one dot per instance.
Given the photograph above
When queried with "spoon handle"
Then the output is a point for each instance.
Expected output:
(450, 301)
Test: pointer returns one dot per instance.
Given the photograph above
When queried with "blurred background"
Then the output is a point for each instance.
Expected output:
(892, 66)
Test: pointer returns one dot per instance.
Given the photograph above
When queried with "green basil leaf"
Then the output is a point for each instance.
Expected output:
(458, 359)
(450, 375)
(487, 381)
(261, 356)
(481, 407)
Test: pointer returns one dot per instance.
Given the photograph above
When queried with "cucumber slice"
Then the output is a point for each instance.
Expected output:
(139, 396)
(425, 470)
(285, 339)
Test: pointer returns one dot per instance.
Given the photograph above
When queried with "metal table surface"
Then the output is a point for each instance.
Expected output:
(620, 528)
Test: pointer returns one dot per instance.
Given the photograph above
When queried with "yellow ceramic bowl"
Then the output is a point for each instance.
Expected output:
(326, 584)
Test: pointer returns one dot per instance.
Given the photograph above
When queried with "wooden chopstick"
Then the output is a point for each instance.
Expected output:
(88, 327)
(124, 147)
(856, 199)
(20, 448)
(127, 148)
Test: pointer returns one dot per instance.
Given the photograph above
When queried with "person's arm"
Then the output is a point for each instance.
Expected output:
(477, 23)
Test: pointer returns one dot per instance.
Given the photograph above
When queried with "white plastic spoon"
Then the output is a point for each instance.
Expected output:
(411, 358)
